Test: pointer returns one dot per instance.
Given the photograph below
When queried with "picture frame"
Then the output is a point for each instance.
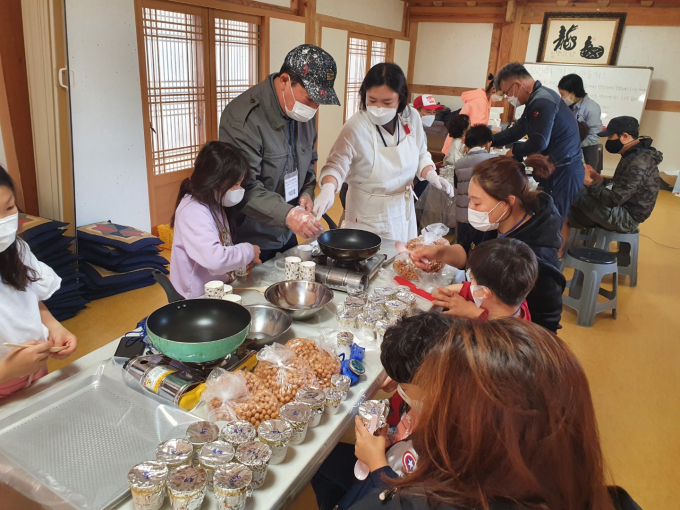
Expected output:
(585, 38)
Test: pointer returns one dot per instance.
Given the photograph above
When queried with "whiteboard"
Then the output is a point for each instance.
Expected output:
(618, 90)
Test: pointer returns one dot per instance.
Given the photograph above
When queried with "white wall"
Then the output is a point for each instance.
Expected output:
(280, 3)
(108, 138)
(284, 35)
(330, 117)
(401, 51)
(638, 46)
(379, 13)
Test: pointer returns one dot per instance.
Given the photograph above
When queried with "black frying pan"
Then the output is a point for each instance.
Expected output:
(196, 330)
(349, 245)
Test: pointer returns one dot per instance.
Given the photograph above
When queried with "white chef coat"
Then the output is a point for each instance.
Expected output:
(352, 159)
(19, 312)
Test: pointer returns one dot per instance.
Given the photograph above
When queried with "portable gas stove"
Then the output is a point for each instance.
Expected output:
(337, 275)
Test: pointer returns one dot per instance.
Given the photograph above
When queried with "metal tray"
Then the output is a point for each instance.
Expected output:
(76, 447)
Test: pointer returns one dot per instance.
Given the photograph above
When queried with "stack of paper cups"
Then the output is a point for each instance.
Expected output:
(293, 268)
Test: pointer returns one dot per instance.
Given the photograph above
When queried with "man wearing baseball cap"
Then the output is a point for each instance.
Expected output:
(272, 123)
(623, 202)
(426, 107)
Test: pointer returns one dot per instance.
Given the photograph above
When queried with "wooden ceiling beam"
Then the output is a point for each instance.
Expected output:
(637, 16)
(460, 14)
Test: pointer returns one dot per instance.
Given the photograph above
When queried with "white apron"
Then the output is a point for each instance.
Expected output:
(384, 203)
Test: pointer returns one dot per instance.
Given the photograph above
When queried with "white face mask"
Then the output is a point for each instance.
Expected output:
(233, 197)
(416, 405)
(496, 98)
(428, 120)
(480, 220)
(8, 231)
(568, 100)
(477, 299)
(514, 101)
(380, 116)
(300, 112)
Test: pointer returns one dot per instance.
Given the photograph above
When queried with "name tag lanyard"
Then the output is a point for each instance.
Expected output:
(383, 138)
(290, 175)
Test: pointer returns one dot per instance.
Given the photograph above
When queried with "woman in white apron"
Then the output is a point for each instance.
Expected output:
(379, 152)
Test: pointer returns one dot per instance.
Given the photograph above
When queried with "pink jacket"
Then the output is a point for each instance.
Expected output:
(477, 107)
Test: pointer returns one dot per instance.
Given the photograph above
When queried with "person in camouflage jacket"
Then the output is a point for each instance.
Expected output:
(623, 202)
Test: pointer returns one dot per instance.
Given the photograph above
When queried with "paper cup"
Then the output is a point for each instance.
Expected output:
(214, 289)
(308, 271)
(234, 298)
(293, 268)
(228, 289)
(305, 252)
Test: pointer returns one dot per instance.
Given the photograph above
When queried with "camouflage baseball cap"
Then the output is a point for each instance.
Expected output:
(317, 70)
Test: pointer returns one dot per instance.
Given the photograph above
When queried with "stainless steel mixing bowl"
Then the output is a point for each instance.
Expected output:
(300, 299)
(267, 324)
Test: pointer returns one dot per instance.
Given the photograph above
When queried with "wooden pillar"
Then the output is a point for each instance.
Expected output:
(307, 8)
(17, 106)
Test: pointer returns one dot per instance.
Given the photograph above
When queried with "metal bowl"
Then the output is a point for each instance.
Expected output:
(300, 299)
(267, 324)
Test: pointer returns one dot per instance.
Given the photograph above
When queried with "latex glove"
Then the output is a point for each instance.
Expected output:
(368, 448)
(440, 183)
(324, 200)
(422, 255)
(306, 202)
(59, 337)
(303, 223)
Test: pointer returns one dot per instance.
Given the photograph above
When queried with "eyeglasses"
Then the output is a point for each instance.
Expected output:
(505, 94)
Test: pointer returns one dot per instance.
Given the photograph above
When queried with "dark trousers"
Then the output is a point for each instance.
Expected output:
(335, 476)
(592, 157)
(564, 185)
(266, 255)
(588, 212)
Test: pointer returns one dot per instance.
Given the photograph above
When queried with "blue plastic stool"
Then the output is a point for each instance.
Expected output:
(604, 238)
(590, 266)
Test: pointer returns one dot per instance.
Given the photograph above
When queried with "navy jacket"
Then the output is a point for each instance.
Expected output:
(550, 125)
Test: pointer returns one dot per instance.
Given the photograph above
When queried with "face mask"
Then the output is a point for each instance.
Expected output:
(8, 231)
(233, 197)
(496, 98)
(380, 116)
(477, 299)
(416, 405)
(300, 112)
(568, 100)
(514, 100)
(614, 146)
(428, 120)
(480, 220)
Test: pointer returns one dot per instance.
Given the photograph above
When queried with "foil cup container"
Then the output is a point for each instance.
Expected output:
(255, 456)
(354, 289)
(175, 453)
(402, 288)
(213, 455)
(341, 382)
(380, 329)
(333, 399)
(387, 292)
(375, 311)
(355, 301)
(371, 408)
(298, 416)
(238, 432)
(276, 434)
(345, 338)
(409, 298)
(147, 485)
(315, 399)
(187, 487)
(232, 486)
(346, 318)
(200, 433)
(374, 300)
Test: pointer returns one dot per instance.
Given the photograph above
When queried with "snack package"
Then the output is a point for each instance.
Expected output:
(404, 267)
(238, 396)
(432, 235)
(321, 357)
(282, 372)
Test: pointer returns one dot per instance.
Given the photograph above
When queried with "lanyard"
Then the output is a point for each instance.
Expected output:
(383, 138)
(517, 312)
(515, 227)
(290, 135)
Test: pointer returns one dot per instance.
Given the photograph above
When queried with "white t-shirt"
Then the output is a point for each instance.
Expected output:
(19, 313)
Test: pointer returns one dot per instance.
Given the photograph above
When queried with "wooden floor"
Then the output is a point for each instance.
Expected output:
(632, 363)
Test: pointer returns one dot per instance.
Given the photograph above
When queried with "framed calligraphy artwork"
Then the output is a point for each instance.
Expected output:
(581, 38)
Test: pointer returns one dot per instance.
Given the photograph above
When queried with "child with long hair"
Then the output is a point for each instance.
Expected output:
(502, 204)
(507, 423)
(202, 248)
(24, 319)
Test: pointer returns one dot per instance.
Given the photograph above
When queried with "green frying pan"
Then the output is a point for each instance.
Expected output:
(196, 330)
